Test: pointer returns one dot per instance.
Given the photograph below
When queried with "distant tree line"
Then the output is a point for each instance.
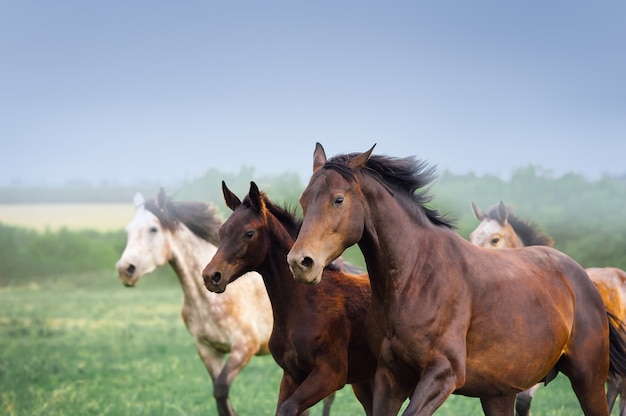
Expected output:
(586, 219)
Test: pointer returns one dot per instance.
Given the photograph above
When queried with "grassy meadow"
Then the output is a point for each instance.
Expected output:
(82, 344)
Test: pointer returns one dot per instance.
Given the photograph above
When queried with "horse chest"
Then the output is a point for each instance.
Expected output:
(208, 326)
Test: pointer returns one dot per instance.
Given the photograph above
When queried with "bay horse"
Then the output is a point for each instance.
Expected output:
(319, 331)
(448, 317)
(499, 227)
(228, 330)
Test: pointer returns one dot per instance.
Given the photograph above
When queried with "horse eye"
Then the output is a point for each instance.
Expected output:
(495, 240)
(250, 233)
(339, 200)
(153, 230)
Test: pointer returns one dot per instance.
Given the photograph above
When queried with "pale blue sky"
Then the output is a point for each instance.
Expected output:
(164, 90)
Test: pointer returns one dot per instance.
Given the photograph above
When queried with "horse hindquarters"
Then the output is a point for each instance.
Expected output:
(586, 359)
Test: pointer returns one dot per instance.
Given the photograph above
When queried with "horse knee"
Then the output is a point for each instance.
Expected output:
(220, 391)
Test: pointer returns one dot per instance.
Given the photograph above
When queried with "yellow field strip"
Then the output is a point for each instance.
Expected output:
(41, 217)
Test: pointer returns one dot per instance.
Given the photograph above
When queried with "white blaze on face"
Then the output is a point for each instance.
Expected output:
(147, 246)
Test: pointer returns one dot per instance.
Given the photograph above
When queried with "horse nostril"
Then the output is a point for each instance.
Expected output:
(216, 277)
(306, 263)
(130, 269)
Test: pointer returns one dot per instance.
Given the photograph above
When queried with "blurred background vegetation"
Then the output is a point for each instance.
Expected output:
(586, 218)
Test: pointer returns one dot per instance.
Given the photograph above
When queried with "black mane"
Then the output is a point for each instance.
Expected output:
(292, 223)
(410, 176)
(527, 231)
(285, 215)
(199, 217)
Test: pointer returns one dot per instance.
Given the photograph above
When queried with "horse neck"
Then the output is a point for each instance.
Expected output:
(386, 257)
(282, 288)
(189, 255)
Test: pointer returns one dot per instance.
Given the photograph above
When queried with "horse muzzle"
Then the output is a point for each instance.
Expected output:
(304, 269)
(214, 281)
(127, 273)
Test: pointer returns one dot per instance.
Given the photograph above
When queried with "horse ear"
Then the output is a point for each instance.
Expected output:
(478, 213)
(161, 199)
(230, 198)
(255, 197)
(503, 212)
(319, 157)
(138, 200)
(360, 160)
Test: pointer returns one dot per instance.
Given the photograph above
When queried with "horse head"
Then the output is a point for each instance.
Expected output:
(243, 243)
(334, 215)
(147, 245)
(494, 230)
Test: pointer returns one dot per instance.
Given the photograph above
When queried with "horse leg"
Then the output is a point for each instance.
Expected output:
(287, 386)
(328, 402)
(523, 400)
(622, 396)
(239, 357)
(319, 384)
(436, 384)
(214, 364)
(612, 385)
(498, 406)
(588, 385)
(364, 392)
(388, 393)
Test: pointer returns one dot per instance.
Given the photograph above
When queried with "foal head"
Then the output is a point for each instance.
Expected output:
(245, 238)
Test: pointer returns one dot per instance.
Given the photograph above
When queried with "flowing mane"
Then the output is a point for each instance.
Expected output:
(527, 231)
(285, 215)
(292, 223)
(199, 217)
(409, 176)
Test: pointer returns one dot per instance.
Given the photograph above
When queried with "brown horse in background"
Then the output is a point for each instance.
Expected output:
(319, 331)
(500, 228)
(447, 316)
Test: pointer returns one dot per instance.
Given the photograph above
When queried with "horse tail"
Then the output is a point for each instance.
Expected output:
(617, 345)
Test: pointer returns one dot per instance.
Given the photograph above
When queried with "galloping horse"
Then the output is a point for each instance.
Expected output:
(501, 228)
(319, 331)
(447, 316)
(184, 234)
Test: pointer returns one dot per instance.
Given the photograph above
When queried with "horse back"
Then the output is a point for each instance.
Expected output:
(559, 267)
(611, 284)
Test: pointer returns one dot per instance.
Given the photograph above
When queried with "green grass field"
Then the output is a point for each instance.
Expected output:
(85, 345)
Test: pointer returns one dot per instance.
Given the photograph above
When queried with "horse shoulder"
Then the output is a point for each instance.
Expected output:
(247, 305)
(220, 320)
